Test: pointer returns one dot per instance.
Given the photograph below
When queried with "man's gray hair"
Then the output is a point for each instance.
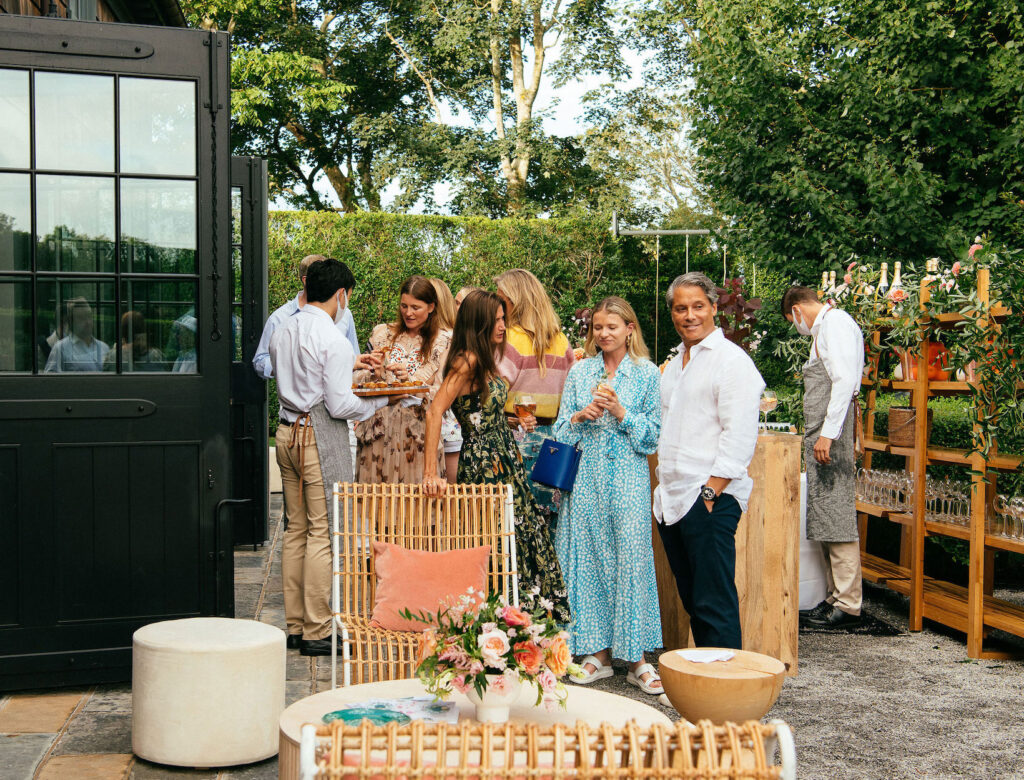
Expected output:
(692, 279)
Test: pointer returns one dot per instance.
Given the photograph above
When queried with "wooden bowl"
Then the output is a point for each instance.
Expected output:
(740, 689)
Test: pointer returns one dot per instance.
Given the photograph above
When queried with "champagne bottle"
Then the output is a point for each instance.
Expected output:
(896, 291)
(823, 287)
(883, 282)
(931, 270)
(831, 282)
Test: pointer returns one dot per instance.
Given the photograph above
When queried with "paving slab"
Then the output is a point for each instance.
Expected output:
(264, 770)
(145, 770)
(22, 753)
(40, 713)
(85, 767)
(96, 732)
(110, 698)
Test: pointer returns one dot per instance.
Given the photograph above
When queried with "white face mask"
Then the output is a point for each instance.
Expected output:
(341, 307)
(799, 324)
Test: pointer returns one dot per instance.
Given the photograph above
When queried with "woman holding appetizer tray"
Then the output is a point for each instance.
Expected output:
(611, 408)
(391, 443)
(474, 390)
(536, 361)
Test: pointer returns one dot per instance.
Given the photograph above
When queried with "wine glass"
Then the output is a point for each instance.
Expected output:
(524, 406)
(769, 401)
(603, 385)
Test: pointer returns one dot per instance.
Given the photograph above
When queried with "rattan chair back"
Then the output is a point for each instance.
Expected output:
(466, 516)
(496, 751)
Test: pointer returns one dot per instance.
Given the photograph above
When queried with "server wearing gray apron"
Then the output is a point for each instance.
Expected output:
(832, 379)
(313, 364)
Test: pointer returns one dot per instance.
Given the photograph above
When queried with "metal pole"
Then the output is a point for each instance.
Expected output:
(657, 273)
(687, 254)
(725, 271)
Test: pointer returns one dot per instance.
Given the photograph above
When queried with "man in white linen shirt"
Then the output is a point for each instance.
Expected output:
(832, 380)
(313, 364)
(346, 325)
(710, 393)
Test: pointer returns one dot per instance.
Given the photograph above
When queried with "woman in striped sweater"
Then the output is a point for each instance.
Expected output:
(536, 362)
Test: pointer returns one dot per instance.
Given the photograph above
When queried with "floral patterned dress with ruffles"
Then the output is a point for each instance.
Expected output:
(491, 456)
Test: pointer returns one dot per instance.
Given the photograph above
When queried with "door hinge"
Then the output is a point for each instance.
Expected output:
(210, 480)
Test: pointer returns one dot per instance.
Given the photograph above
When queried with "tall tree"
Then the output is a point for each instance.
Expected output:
(319, 90)
(501, 51)
(879, 128)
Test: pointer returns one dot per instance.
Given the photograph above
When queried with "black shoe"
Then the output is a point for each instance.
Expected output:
(294, 641)
(819, 611)
(834, 619)
(315, 647)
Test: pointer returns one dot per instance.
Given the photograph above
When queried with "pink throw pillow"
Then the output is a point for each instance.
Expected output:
(417, 580)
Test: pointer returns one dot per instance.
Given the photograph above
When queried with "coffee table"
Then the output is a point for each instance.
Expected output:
(591, 706)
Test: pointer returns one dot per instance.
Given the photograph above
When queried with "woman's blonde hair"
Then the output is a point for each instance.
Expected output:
(635, 346)
(531, 310)
(445, 304)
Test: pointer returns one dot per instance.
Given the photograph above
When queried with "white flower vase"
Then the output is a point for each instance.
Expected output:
(493, 706)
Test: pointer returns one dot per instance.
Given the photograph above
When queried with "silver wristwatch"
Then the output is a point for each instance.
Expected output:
(708, 493)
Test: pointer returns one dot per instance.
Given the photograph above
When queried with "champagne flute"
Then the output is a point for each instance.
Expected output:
(769, 401)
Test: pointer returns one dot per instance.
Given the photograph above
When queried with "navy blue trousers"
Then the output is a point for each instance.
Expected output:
(701, 550)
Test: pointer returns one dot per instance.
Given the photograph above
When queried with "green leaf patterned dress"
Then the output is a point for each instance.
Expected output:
(491, 456)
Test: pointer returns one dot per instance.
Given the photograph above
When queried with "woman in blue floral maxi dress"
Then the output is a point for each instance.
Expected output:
(603, 538)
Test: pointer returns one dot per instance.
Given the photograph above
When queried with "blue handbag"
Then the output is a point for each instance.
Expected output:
(556, 465)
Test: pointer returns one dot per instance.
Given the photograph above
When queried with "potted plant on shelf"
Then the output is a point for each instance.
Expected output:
(490, 650)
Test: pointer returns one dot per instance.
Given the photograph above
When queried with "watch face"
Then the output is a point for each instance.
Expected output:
(708, 493)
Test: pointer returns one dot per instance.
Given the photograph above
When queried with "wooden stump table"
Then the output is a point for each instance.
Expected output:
(743, 688)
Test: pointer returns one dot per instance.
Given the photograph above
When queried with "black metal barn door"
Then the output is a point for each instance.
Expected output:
(249, 312)
(115, 341)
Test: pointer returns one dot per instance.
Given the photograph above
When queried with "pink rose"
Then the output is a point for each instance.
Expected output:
(493, 646)
(974, 248)
(847, 279)
(515, 616)
(475, 667)
(957, 267)
(459, 683)
(547, 680)
(850, 267)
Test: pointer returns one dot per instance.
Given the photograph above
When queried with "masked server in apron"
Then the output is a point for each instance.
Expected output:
(313, 364)
(832, 380)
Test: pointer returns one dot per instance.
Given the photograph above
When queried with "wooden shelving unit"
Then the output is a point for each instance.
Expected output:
(973, 609)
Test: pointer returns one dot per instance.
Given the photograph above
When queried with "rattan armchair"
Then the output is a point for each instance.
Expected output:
(466, 516)
(419, 750)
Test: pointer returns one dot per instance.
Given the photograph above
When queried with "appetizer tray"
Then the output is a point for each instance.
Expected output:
(371, 389)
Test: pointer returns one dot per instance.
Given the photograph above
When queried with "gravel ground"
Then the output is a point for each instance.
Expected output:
(906, 706)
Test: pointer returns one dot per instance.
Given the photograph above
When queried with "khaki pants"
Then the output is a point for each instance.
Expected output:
(306, 554)
(843, 576)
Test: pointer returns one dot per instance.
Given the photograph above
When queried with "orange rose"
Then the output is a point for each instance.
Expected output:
(428, 644)
(529, 656)
(559, 656)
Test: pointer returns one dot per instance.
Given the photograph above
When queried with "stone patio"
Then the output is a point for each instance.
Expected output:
(906, 706)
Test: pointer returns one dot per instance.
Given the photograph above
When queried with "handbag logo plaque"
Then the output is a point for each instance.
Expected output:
(556, 465)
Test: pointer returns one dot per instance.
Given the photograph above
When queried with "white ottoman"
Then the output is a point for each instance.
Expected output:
(207, 691)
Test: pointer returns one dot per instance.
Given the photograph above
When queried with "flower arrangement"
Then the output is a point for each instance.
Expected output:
(488, 644)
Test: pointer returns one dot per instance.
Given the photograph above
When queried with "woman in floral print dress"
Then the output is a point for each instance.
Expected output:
(412, 348)
(476, 394)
